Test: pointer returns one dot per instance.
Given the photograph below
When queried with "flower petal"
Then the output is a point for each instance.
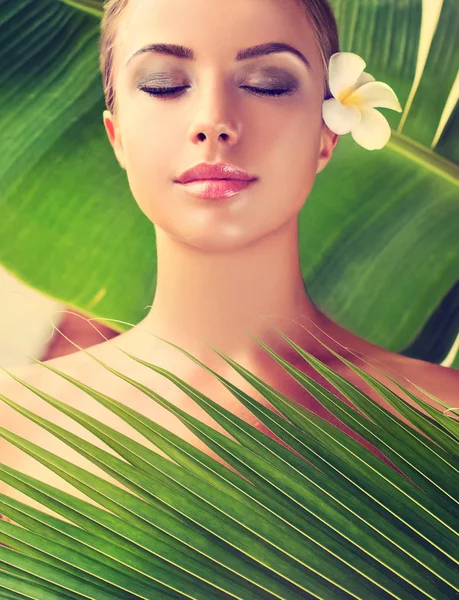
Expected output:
(339, 118)
(374, 93)
(364, 78)
(373, 131)
(344, 70)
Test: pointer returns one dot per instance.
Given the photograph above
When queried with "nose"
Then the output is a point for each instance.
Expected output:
(216, 132)
(213, 123)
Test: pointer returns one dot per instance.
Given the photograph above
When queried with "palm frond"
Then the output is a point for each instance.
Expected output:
(313, 515)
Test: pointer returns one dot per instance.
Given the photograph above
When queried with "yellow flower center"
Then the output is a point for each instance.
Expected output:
(345, 93)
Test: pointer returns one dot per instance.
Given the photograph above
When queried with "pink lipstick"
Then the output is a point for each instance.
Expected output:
(215, 188)
(218, 180)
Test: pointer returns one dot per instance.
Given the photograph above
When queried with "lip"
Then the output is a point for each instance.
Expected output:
(208, 171)
(216, 188)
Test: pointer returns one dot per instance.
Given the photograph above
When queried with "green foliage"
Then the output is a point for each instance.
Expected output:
(316, 516)
(378, 234)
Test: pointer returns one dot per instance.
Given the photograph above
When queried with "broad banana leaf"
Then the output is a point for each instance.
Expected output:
(319, 516)
(378, 235)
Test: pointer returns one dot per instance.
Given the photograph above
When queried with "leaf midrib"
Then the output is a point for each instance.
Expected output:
(431, 161)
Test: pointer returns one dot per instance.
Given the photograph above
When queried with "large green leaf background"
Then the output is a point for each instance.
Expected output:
(378, 235)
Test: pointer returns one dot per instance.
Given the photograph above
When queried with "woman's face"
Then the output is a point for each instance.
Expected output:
(280, 139)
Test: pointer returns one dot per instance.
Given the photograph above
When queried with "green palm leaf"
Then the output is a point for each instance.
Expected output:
(318, 516)
(315, 514)
(378, 234)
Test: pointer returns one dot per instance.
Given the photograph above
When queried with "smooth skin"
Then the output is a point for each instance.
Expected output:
(223, 265)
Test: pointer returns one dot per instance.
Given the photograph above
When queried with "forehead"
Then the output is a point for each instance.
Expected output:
(215, 29)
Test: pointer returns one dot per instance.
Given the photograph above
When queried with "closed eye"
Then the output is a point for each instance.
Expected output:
(166, 92)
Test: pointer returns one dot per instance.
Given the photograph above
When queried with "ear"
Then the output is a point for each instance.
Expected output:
(328, 141)
(114, 136)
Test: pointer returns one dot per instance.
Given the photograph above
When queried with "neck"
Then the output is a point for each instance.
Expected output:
(207, 297)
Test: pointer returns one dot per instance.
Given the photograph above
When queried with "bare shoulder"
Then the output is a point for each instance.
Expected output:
(440, 381)
(11, 388)
(13, 422)
(437, 380)
(16, 391)
(82, 368)
(32, 374)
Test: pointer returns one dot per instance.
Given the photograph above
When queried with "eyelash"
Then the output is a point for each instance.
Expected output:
(164, 92)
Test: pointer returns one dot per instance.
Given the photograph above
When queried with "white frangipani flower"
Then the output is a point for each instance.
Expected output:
(355, 94)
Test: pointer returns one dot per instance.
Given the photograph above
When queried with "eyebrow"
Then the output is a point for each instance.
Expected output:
(180, 51)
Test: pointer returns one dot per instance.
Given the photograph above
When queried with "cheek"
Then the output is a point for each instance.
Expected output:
(151, 164)
(290, 159)
(280, 144)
